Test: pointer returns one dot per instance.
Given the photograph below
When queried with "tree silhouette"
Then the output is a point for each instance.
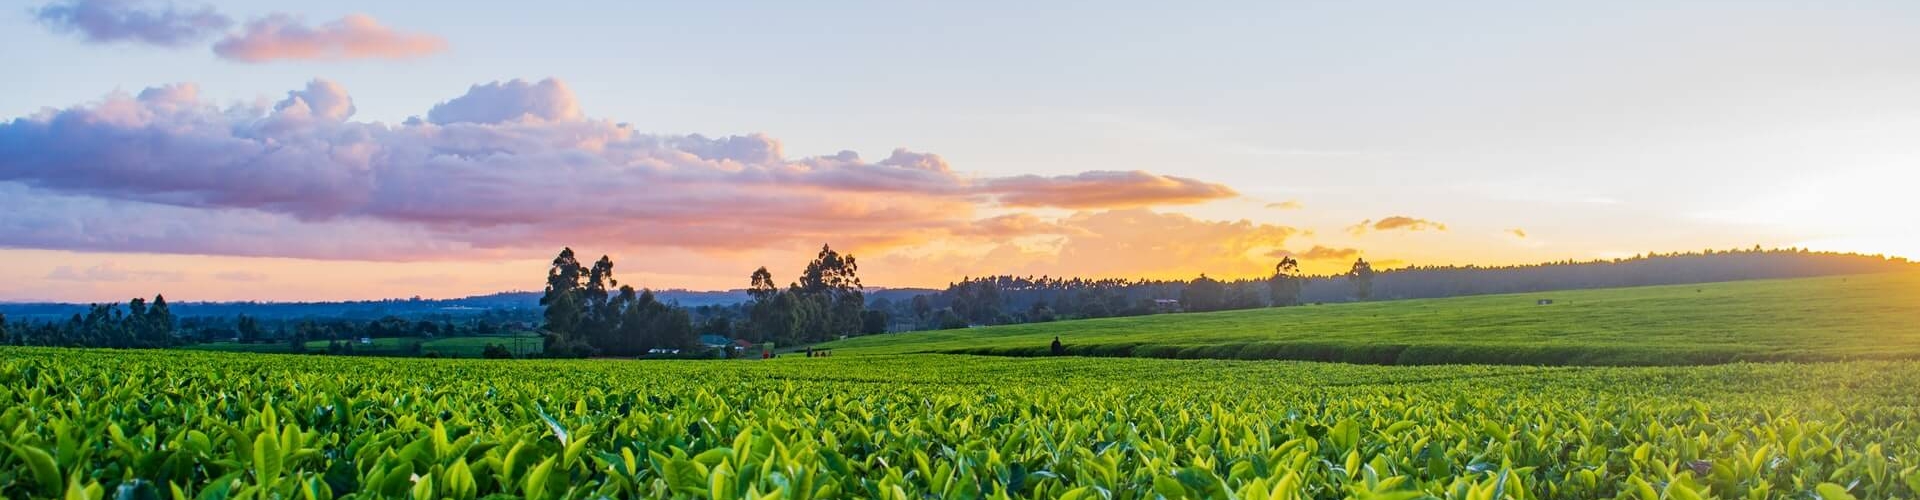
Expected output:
(1361, 276)
(1283, 289)
(1203, 294)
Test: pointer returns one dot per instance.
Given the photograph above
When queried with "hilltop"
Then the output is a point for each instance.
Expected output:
(1868, 316)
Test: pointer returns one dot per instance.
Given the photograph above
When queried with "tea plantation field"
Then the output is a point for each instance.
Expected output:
(453, 347)
(1873, 316)
(183, 424)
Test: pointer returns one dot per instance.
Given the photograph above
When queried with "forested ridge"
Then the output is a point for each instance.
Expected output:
(1021, 299)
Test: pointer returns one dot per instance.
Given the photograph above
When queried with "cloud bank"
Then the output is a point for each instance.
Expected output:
(1320, 253)
(110, 273)
(1121, 243)
(504, 168)
(108, 21)
(273, 37)
(356, 36)
(1104, 189)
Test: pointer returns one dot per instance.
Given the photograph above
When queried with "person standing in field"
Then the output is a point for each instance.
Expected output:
(1058, 349)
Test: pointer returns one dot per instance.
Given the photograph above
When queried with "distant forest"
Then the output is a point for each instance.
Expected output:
(1014, 299)
(581, 313)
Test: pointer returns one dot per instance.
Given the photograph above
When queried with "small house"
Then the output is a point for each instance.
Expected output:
(1543, 302)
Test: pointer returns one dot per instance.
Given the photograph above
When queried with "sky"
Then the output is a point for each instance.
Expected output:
(355, 149)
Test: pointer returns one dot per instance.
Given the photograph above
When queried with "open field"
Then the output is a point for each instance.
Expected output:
(220, 425)
(450, 347)
(1834, 318)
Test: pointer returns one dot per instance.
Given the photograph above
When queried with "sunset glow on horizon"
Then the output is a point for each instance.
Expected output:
(240, 151)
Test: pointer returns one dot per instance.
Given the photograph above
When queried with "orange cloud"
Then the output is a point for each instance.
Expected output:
(356, 36)
(1319, 253)
(1010, 226)
(1128, 243)
(1103, 189)
(1397, 222)
(1286, 205)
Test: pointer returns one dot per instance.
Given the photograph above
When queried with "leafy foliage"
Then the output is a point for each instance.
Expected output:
(827, 301)
(585, 317)
(103, 325)
(149, 424)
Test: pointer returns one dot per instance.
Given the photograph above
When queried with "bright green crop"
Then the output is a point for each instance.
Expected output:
(174, 424)
(1834, 318)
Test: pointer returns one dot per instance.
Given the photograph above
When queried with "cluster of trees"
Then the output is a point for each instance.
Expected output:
(103, 325)
(999, 300)
(993, 300)
(139, 324)
(585, 316)
(826, 302)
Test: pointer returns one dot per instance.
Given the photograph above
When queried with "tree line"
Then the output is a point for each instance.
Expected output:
(141, 324)
(1007, 299)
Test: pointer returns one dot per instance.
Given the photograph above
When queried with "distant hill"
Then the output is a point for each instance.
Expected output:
(1012, 299)
(1864, 316)
(403, 308)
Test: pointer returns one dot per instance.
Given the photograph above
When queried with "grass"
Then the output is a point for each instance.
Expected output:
(1874, 316)
(451, 347)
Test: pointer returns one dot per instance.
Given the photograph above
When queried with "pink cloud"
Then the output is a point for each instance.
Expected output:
(356, 36)
(110, 273)
(503, 169)
(1103, 189)
(496, 102)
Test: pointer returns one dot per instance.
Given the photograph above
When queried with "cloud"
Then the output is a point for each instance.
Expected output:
(110, 273)
(1011, 226)
(1103, 189)
(240, 276)
(38, 219)
(506, 168)
(1397, 222)
(1127, 243)
(356, 36)
(1518, 233)
(1286, 205)
(1319, 253)
(108, 21)
(548, 100)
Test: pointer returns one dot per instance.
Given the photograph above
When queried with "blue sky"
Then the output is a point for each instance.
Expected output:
(1600, 130)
